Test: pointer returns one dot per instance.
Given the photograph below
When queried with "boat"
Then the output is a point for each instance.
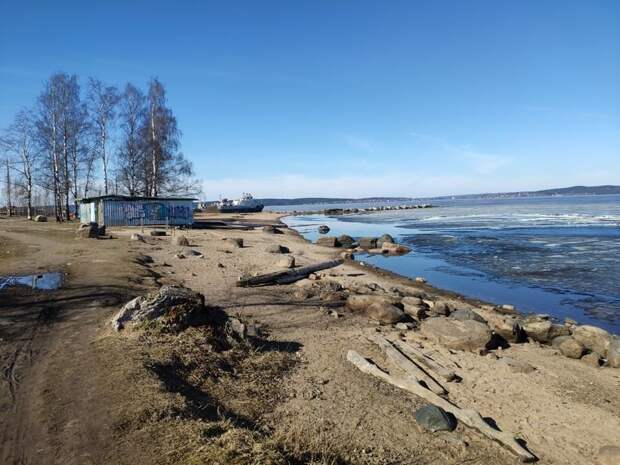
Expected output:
(246, 204)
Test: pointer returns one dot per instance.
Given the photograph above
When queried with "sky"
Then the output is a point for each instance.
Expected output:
(349, 98)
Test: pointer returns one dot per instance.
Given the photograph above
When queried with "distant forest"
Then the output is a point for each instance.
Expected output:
(74, 142)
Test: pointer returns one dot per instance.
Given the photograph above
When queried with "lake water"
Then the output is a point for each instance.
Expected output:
(555, 255)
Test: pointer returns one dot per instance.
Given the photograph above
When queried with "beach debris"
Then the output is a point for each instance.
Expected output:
(158, 233)
(421, 358)
(613, 354)
(286, 276)
(287, 261)
(180, 241)
(323, 229)
(407, 365)
(509, 307)
(433, 418)
(40, 219)
(592, 359)
(458, 335)
(174, 307)
(469, 417)
(571, 348)
(594, 339)
(328, 241)
(179, 255)
(276, 248)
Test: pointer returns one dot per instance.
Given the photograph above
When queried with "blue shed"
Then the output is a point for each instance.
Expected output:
(124, 210)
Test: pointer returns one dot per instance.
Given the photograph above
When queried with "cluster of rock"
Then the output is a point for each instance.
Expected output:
(353, 211)
(376, 245)
(460, 326)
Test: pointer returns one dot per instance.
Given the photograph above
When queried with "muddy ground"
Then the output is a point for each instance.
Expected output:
(74, 391)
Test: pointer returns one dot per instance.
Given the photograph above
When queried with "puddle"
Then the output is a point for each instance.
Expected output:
(47, 281)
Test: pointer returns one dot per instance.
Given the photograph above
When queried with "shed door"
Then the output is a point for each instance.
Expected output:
(93, 212)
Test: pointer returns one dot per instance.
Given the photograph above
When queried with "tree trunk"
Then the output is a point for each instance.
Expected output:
(104, 159)
(8, 188)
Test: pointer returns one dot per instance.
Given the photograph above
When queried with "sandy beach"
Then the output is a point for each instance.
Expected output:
(289, 396)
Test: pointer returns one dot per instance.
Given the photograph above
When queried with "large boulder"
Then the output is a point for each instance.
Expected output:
(323, 229)
(613, 354)
(367, 242)
(463, 314)
(174, 307)
(394, 249)
(594, 339)
(88, 231)
(454, 334)
(571, 348)
(507, 326)
(384, 313)
(40, 219)
(328, 241)
(346, 241)
(385, 238)
(537, 329)
(360, 302)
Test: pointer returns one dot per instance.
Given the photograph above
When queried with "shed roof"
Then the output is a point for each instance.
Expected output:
(130, 198)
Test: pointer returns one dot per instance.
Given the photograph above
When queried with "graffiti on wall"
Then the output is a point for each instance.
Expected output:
(155, 211)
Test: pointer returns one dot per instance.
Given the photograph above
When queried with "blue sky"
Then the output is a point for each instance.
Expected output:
(350, 98)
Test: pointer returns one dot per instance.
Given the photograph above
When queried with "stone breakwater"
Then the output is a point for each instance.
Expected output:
(358, 211)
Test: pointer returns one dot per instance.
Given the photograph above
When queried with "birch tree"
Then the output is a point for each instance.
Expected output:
(102, 107)
(131, 157)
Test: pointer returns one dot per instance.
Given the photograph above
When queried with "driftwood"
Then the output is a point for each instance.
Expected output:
(286, 276)
(469, 417)
(424, 359)
(407, 365)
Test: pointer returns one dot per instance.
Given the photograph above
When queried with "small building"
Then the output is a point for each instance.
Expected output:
(124, 210)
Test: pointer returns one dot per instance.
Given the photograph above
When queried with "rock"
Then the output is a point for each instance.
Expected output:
(384, 313)
(329, 241)
(143, 259)
(137, 237)
(179, 255)
(558, 331)
(323, 229)
(236, 327)
(613, 354)
(593, 338)
(276, 248)
(571, 348)
(180, 241)
(441, 307)
(608, 455)
(394, 249)
(506, 326)
(86, 231)
(287, 261)
(537, 330)
(252, 330)
(413, 301)
(509, 307)
(270, 229)
(385, 238)
(420, 280)
(158, 233)
(40, 219)
(466, 314)
(236, 242)
(454, 334)
(359, 302)
(347, 256)
(174, 307)
(516, 366)
(194, 253)
(368, 242)
(404, 326)
(592, 359)
(433, 418)
(346, 241)
(556, 341)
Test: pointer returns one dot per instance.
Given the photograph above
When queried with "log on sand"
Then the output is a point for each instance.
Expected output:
(407, 365)
(468, 416)
(425, 360)
(286, 276)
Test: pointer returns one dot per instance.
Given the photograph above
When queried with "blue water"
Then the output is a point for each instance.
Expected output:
(555, 255)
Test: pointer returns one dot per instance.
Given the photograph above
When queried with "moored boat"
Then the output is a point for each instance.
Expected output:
(246, 204)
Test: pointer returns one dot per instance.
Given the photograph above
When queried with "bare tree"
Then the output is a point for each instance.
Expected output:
(131, 156)
(20, 140)
(102, 107)
(165, 170)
